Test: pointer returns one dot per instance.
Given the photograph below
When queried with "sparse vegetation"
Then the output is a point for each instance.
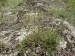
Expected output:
(40, 23)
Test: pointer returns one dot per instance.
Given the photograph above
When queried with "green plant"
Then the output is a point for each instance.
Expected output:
(47, 39)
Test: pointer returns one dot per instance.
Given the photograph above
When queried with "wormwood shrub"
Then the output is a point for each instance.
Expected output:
(46, 39)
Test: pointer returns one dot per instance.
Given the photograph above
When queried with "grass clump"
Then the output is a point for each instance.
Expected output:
(15, 3)
(57, 0)
(11, 3)
(0, 16)
(71, 10)
(71, 5)
(2, 2)
(55, 11)
(62, 13)
(71, 18)
(46, 39)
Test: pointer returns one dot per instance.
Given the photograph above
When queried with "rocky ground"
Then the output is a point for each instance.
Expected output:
(13, 28)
